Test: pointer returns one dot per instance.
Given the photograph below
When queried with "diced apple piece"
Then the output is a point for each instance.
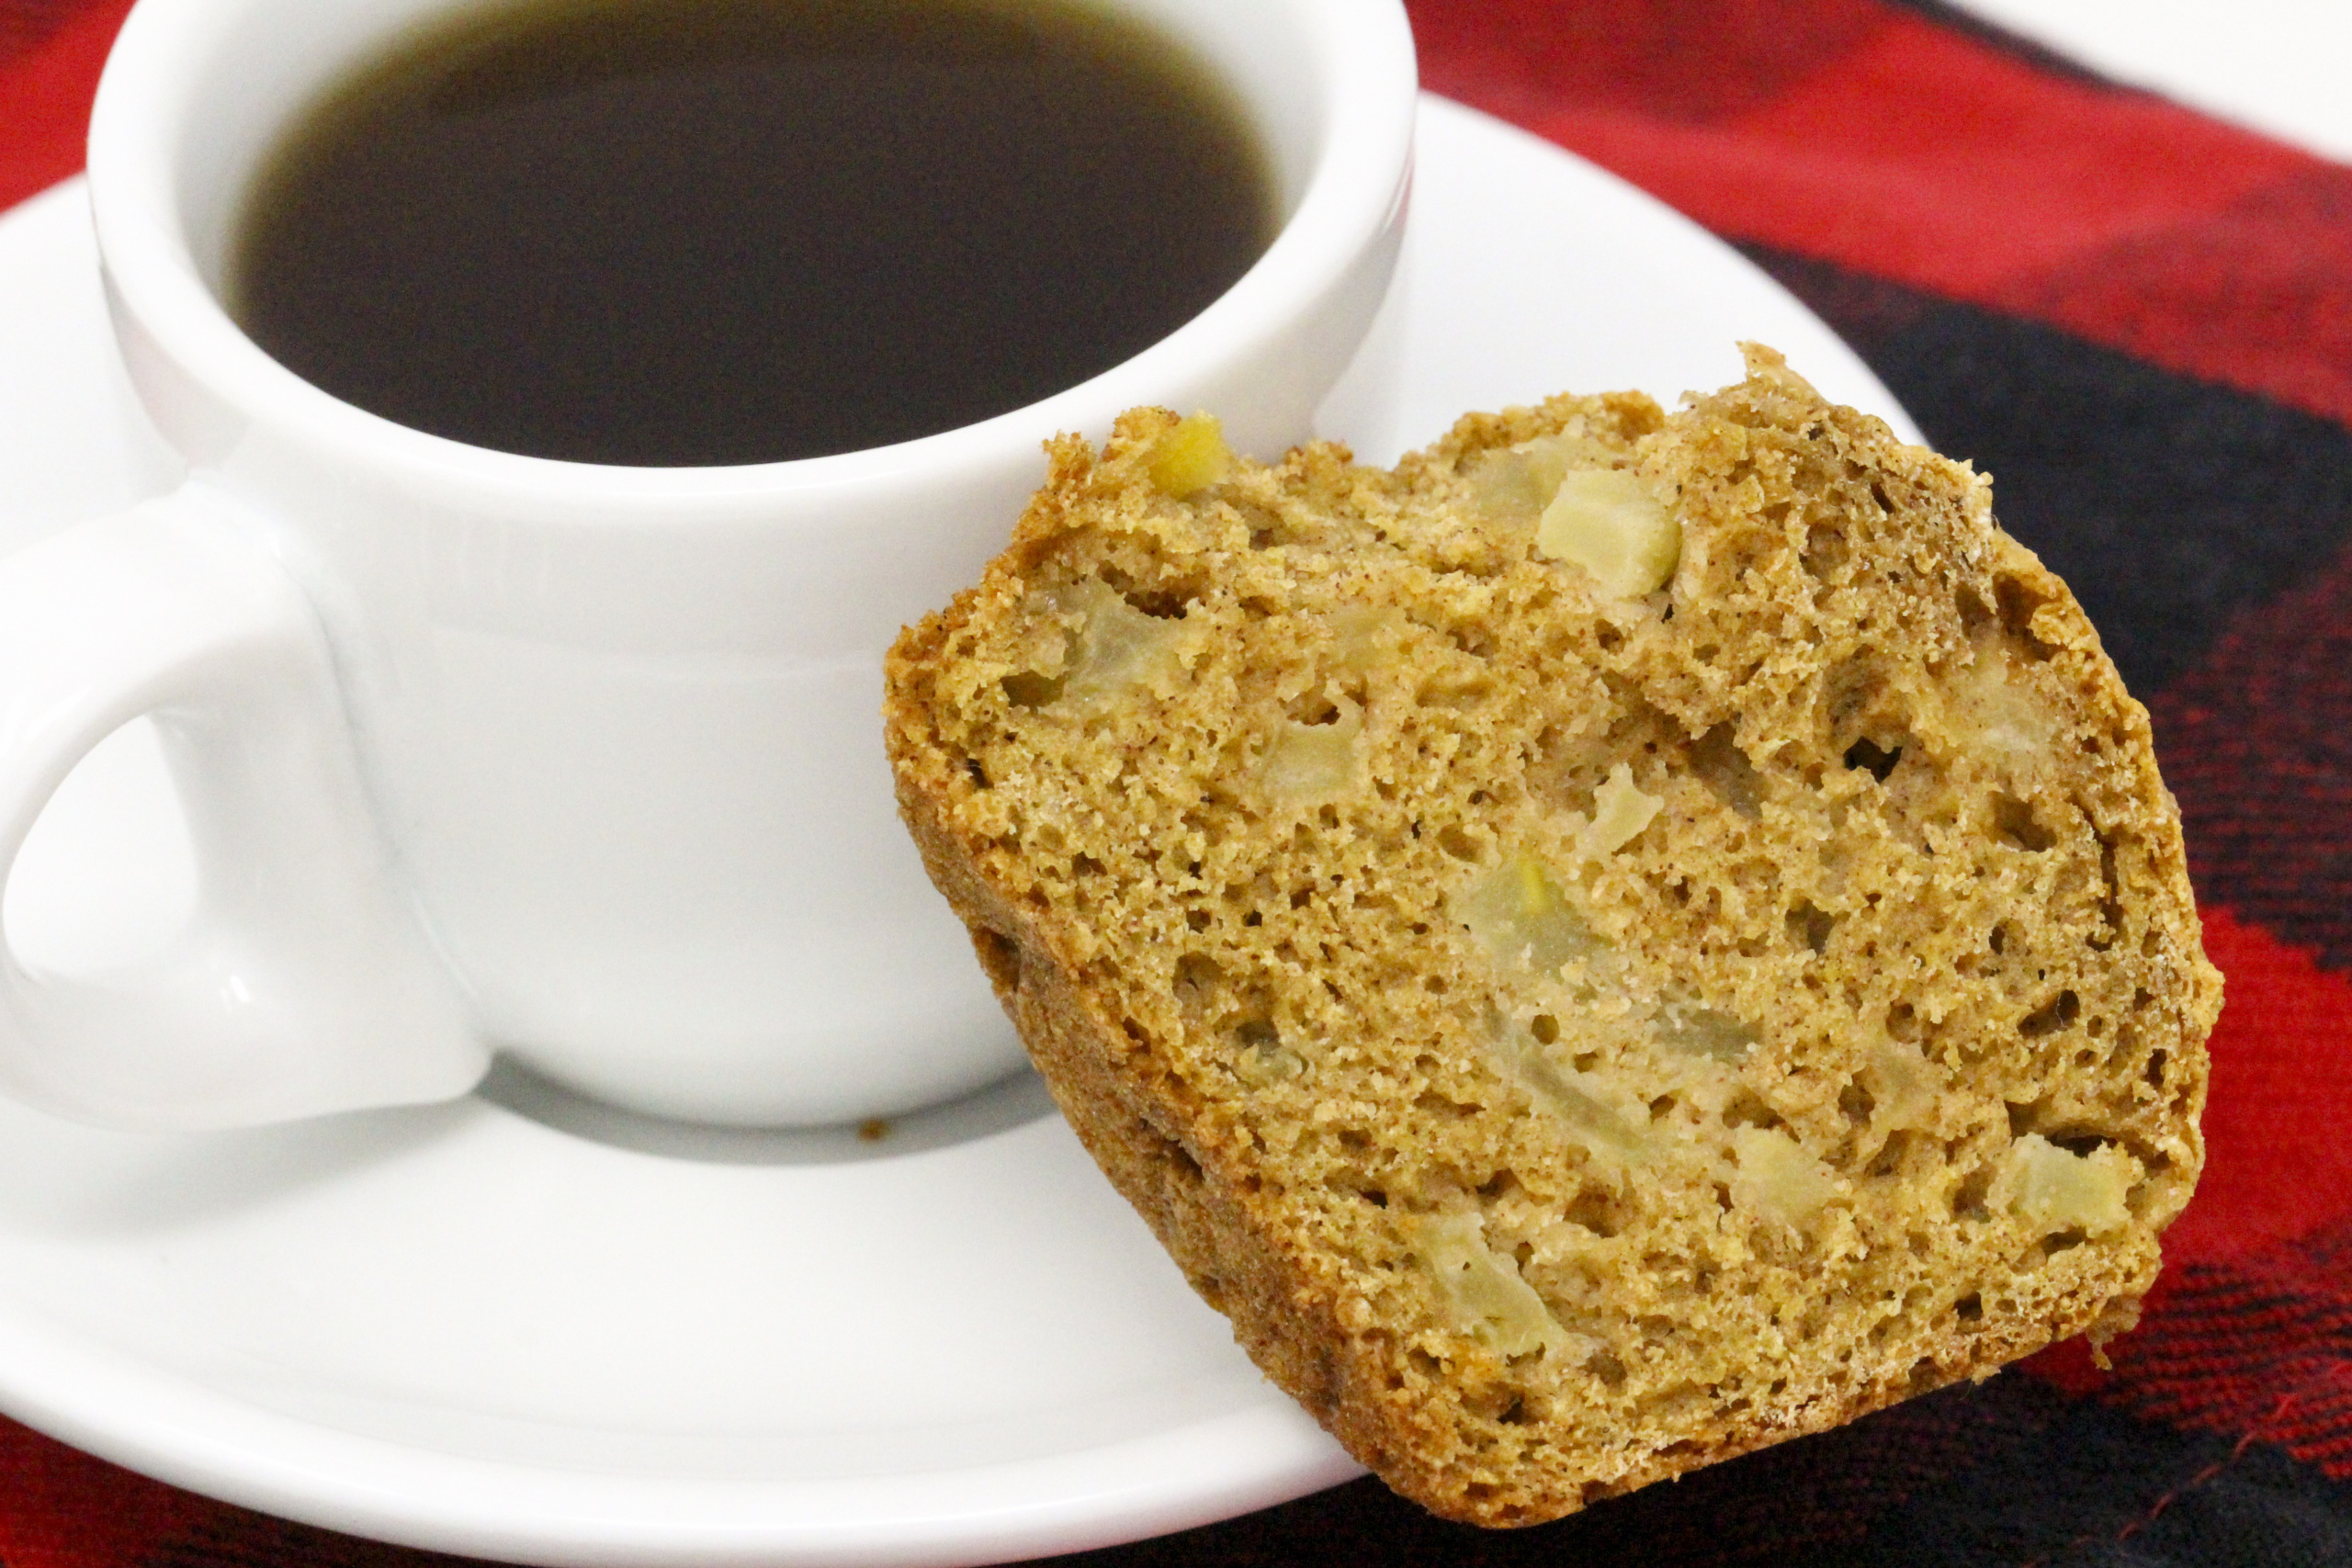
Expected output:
(1906, 1087)
(2054, 1190)
(1265, 1063)
(2007, 719)
(1519, 915)
(1512, 486)
(1690, 1030)
(1777, 1179)
(1309, 763)
(1606, 520)
(1367, 637)
(1619, 812)
(1190, 456)
(1593, 1109)
(1118, 649)
(1486, 1297)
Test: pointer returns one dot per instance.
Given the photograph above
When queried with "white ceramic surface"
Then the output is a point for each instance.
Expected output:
(460, 1328)
(482, 750)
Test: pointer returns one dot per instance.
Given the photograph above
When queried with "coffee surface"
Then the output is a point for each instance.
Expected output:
(672, 232)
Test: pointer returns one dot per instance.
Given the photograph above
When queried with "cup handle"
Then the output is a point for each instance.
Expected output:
(304, 983)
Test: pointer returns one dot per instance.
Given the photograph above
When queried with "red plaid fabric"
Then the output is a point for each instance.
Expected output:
(2139, 321)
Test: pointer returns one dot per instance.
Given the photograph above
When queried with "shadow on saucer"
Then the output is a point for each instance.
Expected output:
(1010, 1102)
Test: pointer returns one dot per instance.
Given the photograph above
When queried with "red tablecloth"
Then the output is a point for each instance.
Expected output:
(2139, 322)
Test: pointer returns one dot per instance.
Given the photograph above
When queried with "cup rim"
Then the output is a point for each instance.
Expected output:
(1359, 172)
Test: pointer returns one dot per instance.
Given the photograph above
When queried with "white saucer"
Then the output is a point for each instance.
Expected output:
(464, 1328)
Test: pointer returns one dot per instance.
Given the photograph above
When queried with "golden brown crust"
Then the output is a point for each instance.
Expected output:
(1579, 1035)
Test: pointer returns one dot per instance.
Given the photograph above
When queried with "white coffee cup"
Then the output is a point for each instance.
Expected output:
(483, 752)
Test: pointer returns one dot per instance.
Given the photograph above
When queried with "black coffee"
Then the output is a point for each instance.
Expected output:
(698, 231)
